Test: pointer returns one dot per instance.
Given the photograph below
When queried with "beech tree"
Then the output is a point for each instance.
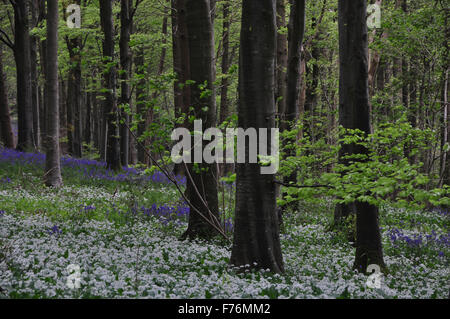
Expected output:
(6, 132)
(201, 186)
(21, 49)
(354, 113)
(290, 114)
(110, 102)
(52, 174)
(256, 233)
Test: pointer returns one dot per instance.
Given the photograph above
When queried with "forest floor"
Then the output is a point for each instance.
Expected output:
(122, 231)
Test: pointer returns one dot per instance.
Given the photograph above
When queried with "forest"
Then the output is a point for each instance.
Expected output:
(224, 149)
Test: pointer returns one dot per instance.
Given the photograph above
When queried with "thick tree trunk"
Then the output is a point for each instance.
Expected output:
(256, 233)
(354, 113)
(52, 175)
(126, 27)
(6, 134)
(110, 102)
(203, 187)
(23, 67)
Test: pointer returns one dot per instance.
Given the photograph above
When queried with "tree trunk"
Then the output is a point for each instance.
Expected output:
(126, 27)
(62, 116)
(141, 103)
(34, 75)
(295, 38)
(256, 233)
(87, 127)
(7, 136)
(282, 59)
(43, 103)
(74, 100)
(182, 92)
(74, 95)
(224, 102)
(110, 103)
(354, 113)
(52, 175)
(203, 186)
(23, 67)
(225, 62)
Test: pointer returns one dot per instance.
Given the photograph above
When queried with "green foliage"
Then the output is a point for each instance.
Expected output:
(387, 174)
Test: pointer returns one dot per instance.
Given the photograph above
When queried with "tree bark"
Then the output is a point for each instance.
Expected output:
(34, 74)
(181, 67)
(74, 95)
(354, 113)
(126, 27)
(256, 233)
(225, 62)
(23, 67)
(52, 175)
(203, 186)
(282, 59)
(110, 102)
(295, 38)
(7, 136)
(141, 103)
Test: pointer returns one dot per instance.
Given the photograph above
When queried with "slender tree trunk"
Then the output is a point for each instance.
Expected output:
(225, 62)
(7, 136)
(256, 234)
(141, 102)
(282, 59)
(224, 101)
(110, 102)
(203, 186)
(126, 28)
(354, 113)
(34, 75)
(295, 38)
(63, 116)
(312, 74)
(74, 94)
(296, 33)
(152, 116)
(87, 127)
(23, 67)
(42, 57)
(52, 175)
(445, 157)
(182, 93)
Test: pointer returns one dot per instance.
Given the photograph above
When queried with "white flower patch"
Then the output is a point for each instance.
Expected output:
(140, 261)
